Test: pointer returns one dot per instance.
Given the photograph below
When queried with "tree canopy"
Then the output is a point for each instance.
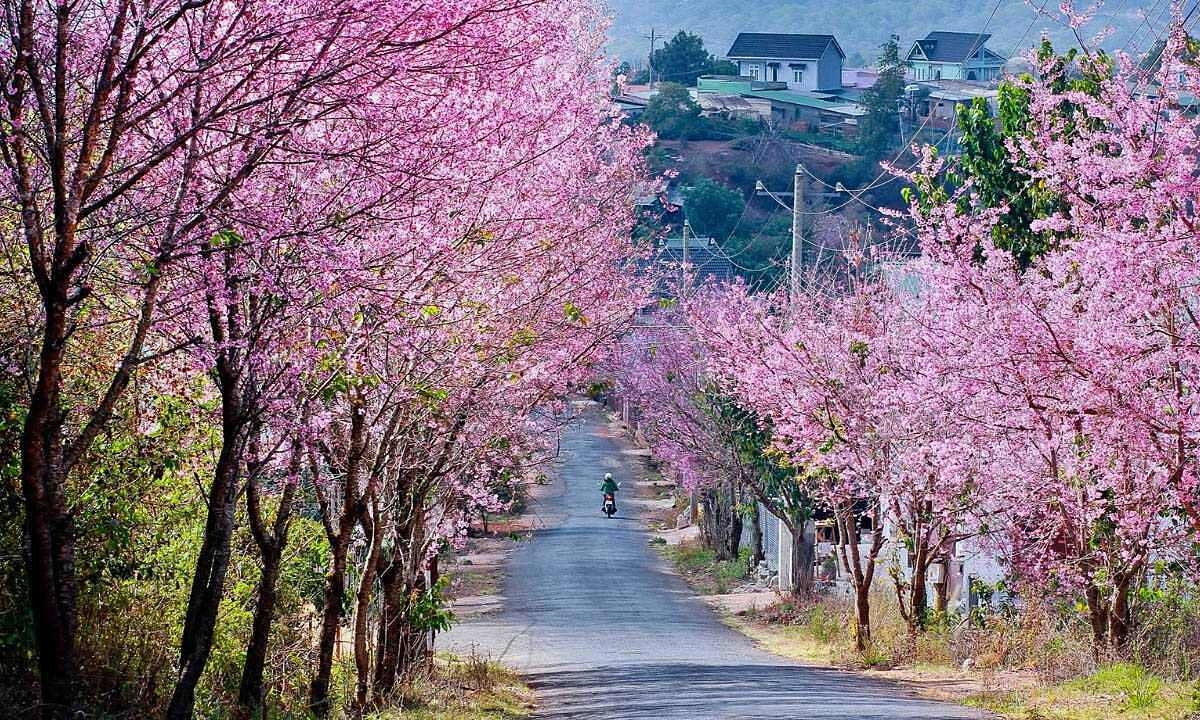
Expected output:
(684, 58)
(713, 208)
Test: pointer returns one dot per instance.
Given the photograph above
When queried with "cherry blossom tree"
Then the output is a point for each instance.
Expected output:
(1079, 368)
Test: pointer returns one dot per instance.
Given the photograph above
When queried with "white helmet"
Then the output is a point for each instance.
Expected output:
(608, 476)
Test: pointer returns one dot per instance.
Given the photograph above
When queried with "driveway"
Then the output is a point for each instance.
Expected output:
(601, 628)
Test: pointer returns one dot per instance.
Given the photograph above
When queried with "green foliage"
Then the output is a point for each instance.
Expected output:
(639, 76)
(707, 574)
(684, 58)
(673, 114)
(879, 129)
(987, 164)
(750, 437)
(429, 610)
(16, 625)
(713, 209)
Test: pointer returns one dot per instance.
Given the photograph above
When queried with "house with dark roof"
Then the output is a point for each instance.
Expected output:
(802, 62)
(694, 260)
(954, 56)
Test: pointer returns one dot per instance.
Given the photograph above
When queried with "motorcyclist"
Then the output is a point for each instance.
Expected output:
(609, 486)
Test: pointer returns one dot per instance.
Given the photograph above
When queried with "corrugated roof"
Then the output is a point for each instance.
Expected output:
(953, 47)
(794, 98)
(777, 45)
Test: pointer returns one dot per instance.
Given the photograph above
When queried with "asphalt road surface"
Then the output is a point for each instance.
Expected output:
(601, 629)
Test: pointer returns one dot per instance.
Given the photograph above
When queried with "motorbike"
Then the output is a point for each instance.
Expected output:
(610, 504)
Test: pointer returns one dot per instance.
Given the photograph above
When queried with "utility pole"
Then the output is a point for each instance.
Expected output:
(687, 229)
(797, 270)
(653, 38)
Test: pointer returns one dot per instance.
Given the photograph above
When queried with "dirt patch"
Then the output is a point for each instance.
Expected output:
(740, 602)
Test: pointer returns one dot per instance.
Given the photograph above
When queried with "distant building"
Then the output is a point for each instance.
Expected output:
(695, 260)
(630, 105)
(937, 106)
(830, 111)
(802, 62)
(954, 56)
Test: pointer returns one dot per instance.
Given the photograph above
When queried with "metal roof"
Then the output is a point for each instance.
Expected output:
(794, 98)
(776, 45)
(952, 47)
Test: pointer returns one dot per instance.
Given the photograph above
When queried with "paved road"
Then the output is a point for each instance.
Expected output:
(602, 630)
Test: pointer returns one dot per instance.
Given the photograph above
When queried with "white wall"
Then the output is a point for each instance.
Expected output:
(815, 71)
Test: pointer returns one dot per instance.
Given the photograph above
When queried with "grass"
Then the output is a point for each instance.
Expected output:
(1124, 691)
(1030, 679)
(463, 688)
(703, 571)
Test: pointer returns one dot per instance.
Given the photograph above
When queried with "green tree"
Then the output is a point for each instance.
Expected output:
(673, 114)
(771, 480)
(684, 58)
(879, 129)
(987, 163)
(712, 208)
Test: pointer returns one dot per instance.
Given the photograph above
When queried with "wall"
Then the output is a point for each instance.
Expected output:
(830, 70)
(812, 72)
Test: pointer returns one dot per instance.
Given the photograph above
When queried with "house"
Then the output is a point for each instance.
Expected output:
(937, 105)
(802, 62)
(954, 56)
(700, 259)
(968, 566)
(631, 106)
(829, 111)
(732, 105)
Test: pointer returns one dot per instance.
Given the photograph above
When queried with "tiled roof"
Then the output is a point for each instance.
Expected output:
(776, 45)
(952, 47)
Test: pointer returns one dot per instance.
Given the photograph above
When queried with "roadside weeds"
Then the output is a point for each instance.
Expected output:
(1050, 687)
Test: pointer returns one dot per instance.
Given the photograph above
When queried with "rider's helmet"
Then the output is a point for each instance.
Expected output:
(608, 476)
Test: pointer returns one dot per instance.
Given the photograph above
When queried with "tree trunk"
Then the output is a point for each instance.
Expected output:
(804, 558)
(208, 582)
(399, 645)
(942, 589)
(50, 526)
(860, 570)
(757, 554)
(721, 526)
(362, 657)
(331, 618)
(1118, 614)
(862, 618)
(1098, 612)
(339, 535)
(251, 693)
(918, 598)
(387, 639)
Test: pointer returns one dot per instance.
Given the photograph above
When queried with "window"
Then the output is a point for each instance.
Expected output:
(798, 72)
(753, 72)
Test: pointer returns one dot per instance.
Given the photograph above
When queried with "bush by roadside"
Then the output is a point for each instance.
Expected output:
(699, 566)
(462, 688)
